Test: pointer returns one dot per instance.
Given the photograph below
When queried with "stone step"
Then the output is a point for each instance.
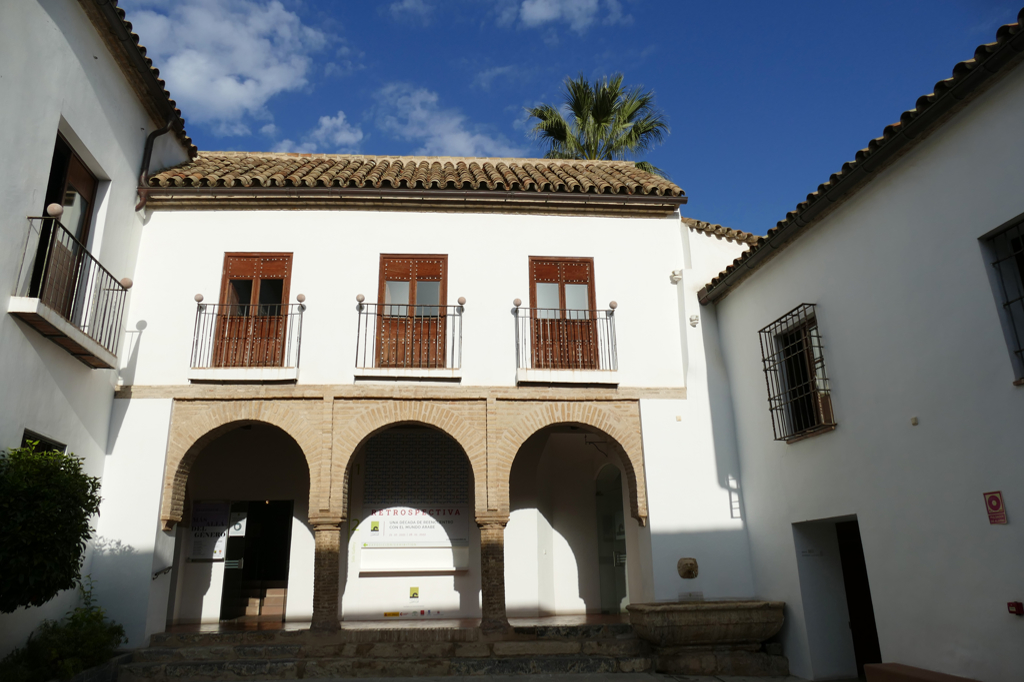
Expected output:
(588, 631)
(286, 669)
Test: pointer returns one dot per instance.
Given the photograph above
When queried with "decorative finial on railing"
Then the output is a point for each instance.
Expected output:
(55, 210)
(360, 298)
(613, 305)
(462, 300)
(199, 298)
(517, 302)
(301, 298)
(127, 282)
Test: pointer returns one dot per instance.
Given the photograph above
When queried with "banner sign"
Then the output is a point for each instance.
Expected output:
(446, 526)
(209, 530)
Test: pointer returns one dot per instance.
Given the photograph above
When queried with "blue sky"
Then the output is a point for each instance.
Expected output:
(765, 99)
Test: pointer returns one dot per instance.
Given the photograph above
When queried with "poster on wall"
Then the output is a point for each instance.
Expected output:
(210, 523)
(412, 527)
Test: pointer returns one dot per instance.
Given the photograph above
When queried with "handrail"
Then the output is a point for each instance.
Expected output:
(247, 335)
(565, 339)
(408, 336)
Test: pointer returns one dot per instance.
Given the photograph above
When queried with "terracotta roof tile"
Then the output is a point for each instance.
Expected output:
(1005, 34)
(243, 169)
(719, 231)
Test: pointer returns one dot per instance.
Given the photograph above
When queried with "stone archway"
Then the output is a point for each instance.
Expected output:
(622, 425)
(376, 416)
(194, 424)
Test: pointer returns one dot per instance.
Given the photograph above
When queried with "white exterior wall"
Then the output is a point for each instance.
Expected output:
(910, 327)
(56, 75)
(337, 255)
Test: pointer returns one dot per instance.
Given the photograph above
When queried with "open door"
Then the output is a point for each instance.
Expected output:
(251, 323)
(256, 561)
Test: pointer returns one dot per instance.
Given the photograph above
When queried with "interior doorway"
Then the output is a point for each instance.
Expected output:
(611, 541)
(858, 596)
(256, 561)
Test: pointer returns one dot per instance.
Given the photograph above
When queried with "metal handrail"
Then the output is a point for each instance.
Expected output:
(408, 336)
(73, 283)
(565, 339)
(247, 335)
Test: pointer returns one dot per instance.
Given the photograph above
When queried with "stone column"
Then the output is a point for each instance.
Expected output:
(326, 568)
(492, 571)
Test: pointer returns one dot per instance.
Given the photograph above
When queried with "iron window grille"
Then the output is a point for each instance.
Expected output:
(794, 368)
(1007, 251)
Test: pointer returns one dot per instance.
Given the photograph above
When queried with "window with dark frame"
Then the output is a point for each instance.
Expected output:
(794, 369)
(44, 444)
(1006, 248)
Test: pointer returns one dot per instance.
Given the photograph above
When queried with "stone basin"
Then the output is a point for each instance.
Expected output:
(707, 623)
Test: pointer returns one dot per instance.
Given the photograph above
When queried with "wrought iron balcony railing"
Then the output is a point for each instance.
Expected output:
(558, 339)
(237, 335)
(67, 279)
(409, 336)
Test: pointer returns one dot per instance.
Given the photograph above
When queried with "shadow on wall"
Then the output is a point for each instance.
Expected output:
(132, 342)
(125, 569)
(553, 559)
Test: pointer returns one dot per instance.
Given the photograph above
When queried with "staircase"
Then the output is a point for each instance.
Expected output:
(388, 652)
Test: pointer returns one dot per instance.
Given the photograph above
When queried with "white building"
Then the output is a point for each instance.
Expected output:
(420, 388)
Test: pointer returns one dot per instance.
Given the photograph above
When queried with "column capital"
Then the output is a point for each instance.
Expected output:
(325, 521)
(492, 519)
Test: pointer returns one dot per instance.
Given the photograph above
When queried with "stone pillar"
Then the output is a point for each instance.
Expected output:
(492, 571)
(326, 568)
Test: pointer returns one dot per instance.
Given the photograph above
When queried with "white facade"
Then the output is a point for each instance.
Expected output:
(911, 329)
(59, 77)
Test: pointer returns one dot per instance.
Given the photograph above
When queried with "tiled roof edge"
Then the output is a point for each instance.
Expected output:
(713, 230)
(149, 86)
(929, 113)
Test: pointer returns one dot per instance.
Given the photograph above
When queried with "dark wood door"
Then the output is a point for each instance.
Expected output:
(61, 255)
(251, 325)
(562, 324)
(411, 311)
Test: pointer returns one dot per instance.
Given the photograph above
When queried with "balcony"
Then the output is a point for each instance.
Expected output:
(409, 342)
(68, 297)
(243, 343)
(559, 346)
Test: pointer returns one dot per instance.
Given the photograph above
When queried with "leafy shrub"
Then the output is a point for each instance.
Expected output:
(45, 506)
(83, 639)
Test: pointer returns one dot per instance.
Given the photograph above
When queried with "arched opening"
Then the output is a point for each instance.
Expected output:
(413, 544)
(570, 538)
(244, 550)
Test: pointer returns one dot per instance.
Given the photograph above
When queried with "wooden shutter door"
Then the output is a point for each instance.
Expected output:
(251, 328)
(411, 330)
(563, 336)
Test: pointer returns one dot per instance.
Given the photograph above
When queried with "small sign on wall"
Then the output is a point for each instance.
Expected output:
(209, 530)
(995, 508)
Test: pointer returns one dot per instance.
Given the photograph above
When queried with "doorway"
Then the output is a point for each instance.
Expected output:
(611, 541)
(858, 596)
(256, 561)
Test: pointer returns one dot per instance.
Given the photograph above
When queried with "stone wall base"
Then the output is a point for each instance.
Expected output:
(719, 661)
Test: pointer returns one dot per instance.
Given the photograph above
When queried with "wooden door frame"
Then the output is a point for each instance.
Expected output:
(591, 295)
(442, 296)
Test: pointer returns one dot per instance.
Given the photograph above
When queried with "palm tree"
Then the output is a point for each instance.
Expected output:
(605, 121)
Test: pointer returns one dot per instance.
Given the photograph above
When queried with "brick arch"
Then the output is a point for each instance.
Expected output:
(381, 416)
(625, 433)
(194, 425)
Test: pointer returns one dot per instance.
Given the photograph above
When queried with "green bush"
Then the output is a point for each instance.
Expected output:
(83, 639)
(45, 506)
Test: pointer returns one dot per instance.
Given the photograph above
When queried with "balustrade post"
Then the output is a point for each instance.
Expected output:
(492, 572)
(326, 572)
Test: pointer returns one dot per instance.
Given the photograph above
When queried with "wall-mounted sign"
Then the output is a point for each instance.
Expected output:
(414, 594)
(411, 527)
(995, 508)
(237, 529)
(210, 521)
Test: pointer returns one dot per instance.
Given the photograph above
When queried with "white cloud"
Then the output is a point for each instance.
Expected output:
(486, 77)
(414, 114)
(578, 14)
(347, 61)
(411, 9)
(333, 134)
(224, 60)
(270, 130)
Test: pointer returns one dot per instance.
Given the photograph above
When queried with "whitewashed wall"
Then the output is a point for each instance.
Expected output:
(337, 255)
(58, 76)
(910, 328)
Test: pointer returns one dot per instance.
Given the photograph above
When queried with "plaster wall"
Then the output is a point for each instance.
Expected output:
(58, 76)
(337, 255)
(910, 327)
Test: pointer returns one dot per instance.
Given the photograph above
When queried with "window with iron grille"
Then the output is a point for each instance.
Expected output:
(1006, 249)
(794, 367)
